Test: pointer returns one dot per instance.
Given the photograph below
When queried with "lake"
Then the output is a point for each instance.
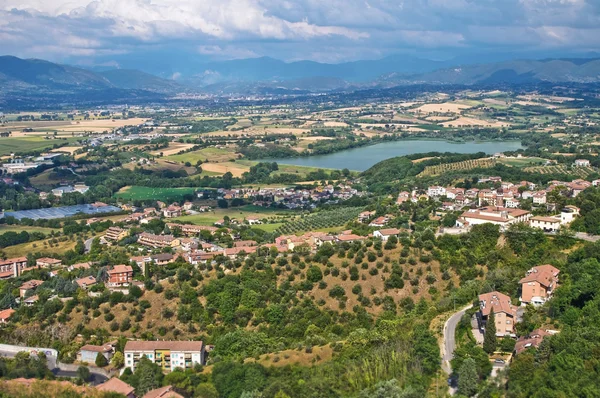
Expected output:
(362, 158)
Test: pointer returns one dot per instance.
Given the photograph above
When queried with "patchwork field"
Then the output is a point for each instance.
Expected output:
(211, 154)
(209, 218)
(446, 107)
(10, 145)
(581, 172)
(148, 193)
(470, 121)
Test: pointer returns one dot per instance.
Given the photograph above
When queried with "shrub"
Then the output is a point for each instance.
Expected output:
(337, 292)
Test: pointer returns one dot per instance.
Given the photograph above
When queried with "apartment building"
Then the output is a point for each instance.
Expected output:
(169, 355)
(155, 241)
(12, 267)
(115, 234)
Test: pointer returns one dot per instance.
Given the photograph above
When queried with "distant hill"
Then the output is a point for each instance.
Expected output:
(266, 69)
(27, 80)
(137, 80)
(515, 72)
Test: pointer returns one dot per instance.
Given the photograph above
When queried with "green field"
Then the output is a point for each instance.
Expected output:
(10, 145)
(284, 168)
(210, 154)
(522, 162)
(148, 193)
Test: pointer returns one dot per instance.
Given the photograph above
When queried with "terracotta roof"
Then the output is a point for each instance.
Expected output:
(116, 385)
(545, 219)
(498, 302)
(543, 274)
(349, 237)
(85, 281)
(389, 231)
(48, 260)
(96, 348)
(163, 345)
(162, 392)
(118, 269)
(32, 284)
(81, 265)
(5, 314)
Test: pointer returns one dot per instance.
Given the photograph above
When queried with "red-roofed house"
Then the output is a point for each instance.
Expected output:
(120, 275)
(505, 313)
(539, 284)
(118, 386)
(6, 314)
(534, 339)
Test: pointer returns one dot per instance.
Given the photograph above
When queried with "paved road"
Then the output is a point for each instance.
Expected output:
(88, 244)
(449, 342)
(55, 367)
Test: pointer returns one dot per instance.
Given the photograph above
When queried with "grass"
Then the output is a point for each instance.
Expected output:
(20, 228)
(147, 193)
(268, 227)
(211, 154)
(522, 162)
(10, 145)
(239, 213)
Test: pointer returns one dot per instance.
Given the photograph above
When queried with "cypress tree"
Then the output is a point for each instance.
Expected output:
(489, 339)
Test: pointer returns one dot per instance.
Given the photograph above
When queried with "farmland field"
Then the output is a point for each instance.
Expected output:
(581, 172)
(522, 162)
(10, 145)
(321, 220)
(239, 213)
(458, 166)
(146, 193)
(211, 154)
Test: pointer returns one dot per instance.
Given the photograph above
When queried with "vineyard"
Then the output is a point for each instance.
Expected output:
(581, 172)
(458, 166)
(320, 220)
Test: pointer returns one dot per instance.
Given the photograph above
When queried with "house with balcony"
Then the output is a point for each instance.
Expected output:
(505, 314)
(539, 284)
(169, 355)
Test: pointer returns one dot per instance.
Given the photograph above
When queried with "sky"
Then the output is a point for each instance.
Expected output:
(107, 32)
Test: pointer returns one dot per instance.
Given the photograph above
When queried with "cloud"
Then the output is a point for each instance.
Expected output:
(331, 30)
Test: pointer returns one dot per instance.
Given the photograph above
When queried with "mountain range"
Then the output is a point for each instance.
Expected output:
(25, 79)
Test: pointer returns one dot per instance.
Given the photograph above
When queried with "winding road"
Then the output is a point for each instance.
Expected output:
(449, 341)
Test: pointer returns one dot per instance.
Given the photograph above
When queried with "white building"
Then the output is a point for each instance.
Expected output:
(539, 198)
(169, 355)
(435, 191)
(384, 234)
(501, 216)
(547, 224)
(582, 163)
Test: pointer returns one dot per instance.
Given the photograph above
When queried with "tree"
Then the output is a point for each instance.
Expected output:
(489, 339)
(314, 274)
(149, 376)
(83, 373)
(101, 360)
(118, 360)
(467, 378)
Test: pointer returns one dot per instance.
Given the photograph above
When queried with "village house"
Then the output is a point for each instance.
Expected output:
(582, 163)
(169, 355)
(172, 211)
(505, 313)
(568, 214)
(365, 216)
(89, 352)
(85, 282)
(546, 224)
(73, 267)
(379, 221)
(5, 315)
(402, 197)
(30, 301)
(118, 386)
(29, 285)
(539, 284)
(120, 275)
(436, 191)
(163, 392)
(253, 220)
(539, 198)
(533, 339)
(384, 234)
(12, 267)
(48, 262)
